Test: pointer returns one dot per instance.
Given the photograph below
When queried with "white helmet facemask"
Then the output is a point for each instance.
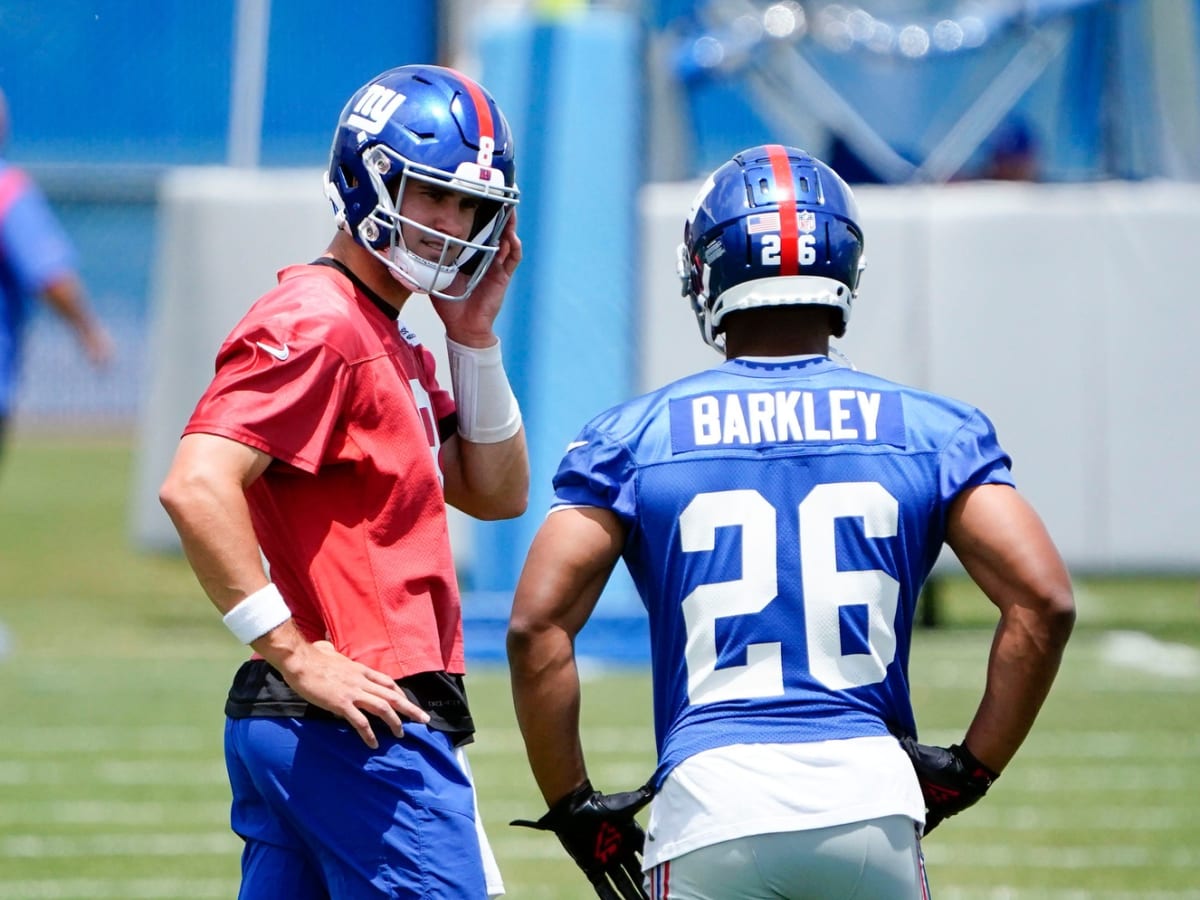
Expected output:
(471, 256)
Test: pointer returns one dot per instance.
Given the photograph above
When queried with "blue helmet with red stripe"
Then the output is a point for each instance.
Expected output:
(428, 124)
(774, 226)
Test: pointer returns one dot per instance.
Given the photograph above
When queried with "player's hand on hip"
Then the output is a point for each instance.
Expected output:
(600, 834)
(469, 321)
(334, 682)
(952, 779)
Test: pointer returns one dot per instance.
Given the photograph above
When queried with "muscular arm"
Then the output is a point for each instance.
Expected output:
(1006, 549)
(487, 481)
(568, 564)
(204, 496)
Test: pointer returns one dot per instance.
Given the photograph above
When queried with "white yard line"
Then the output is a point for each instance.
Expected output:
(133, 889)
(111, 812)
(42, 846)
(1143, 653)
(1024, 857)
(142, 772)
(91, 739)
(1047, 817)
(1073, 746)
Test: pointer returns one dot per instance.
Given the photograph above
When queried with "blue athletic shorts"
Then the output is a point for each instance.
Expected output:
(325, 817)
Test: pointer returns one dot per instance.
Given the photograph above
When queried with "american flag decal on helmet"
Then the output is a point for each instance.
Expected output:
(763, 222)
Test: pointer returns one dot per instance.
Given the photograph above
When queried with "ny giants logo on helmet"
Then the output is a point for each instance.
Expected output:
(374, 109)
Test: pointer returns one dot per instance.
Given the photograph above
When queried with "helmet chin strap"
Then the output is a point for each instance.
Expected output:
(420, 274)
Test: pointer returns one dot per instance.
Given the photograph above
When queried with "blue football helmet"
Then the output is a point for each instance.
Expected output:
(774, 226)
(428, 124)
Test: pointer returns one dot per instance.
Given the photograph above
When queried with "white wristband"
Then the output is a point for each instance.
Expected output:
(256, 614)
(487, 408)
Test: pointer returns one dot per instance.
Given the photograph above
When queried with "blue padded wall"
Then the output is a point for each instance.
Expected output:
(570, 88)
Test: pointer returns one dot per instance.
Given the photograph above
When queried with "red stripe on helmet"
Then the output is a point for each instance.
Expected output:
(785, 196)
(483, 114)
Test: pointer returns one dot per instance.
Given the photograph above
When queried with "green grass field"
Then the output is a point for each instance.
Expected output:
(112, 783)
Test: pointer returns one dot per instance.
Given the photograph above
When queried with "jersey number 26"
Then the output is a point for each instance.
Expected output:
(824, 589)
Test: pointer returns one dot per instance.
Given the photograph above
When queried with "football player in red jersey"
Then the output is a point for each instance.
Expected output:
(326, 444)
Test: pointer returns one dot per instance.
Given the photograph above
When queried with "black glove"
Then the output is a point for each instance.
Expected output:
(599, 832)
(951, 779)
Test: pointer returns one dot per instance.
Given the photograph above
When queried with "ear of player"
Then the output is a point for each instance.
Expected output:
(952, 779)
(600, 833)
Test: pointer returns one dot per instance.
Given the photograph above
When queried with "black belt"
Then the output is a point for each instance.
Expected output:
(258, 690)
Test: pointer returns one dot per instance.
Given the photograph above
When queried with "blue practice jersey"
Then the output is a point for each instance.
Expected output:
(782, 517)
(34, 250)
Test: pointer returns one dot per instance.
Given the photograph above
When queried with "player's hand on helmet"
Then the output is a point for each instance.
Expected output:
(600, 833)
(469, 320)
(952, 779)
(334, 682)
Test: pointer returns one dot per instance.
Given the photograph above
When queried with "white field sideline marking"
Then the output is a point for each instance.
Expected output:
(40, 846)
(1024, 857)
(1135, 650)
(112, 812)
(151, 771)
(1072, 746)
(1051, 817)
(953, 677)
(90, 739)
(139, 889)
(1098, 780)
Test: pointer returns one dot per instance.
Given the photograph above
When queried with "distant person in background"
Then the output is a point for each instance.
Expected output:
(326, 443)
(778, 514)
(1012, 152)
(844, 159)
(37, 260)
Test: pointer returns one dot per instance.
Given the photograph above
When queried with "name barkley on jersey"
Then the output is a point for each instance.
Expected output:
(757, 418)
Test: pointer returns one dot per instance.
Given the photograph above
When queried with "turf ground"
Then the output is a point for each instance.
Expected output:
(113, 670)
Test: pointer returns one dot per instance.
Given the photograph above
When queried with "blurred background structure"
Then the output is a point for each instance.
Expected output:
(1028, 171)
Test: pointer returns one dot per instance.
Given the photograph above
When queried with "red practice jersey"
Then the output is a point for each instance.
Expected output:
(351, 513)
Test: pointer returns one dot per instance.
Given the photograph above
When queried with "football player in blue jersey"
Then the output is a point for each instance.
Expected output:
(37, 261)
(779, 514)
